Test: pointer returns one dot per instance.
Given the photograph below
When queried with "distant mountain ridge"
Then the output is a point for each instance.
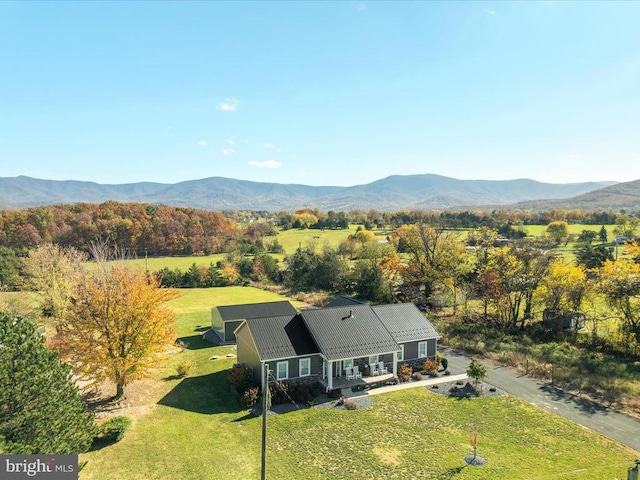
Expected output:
(396, 192)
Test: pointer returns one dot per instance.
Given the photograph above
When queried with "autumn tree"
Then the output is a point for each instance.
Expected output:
(53, 272)
(620, 285)
(41, 411)
(564, 287)
(432, 251)
(118, 325)
(558, 230)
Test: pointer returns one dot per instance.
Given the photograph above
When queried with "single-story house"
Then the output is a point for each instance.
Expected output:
(327, 343)
(226, 318)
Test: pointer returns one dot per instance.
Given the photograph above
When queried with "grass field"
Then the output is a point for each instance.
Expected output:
(194, 429)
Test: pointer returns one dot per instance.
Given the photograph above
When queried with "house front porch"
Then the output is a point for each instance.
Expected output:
(358, 383)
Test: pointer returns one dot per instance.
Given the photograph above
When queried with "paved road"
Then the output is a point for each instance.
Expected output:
(615, 425)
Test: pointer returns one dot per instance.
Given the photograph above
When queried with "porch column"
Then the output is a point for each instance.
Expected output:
(395, 364)
(262, 375)
(329, 375)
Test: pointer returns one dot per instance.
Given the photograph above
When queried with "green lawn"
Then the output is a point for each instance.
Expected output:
(195, 429)
(293, 238)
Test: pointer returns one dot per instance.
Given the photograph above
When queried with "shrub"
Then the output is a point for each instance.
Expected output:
(300, 392)
(447, 372)
(453, 388)
(250, 397)
(351, 405)
(444, 362)
(459, 382)
(279, 392)
(184, 368)
(112, 430)
(335, 394)
(430, 366)
(416, 376)
(404, 372)
(240, 378)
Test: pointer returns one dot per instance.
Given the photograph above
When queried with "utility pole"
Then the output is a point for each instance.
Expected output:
(265, 407)
(632, 473)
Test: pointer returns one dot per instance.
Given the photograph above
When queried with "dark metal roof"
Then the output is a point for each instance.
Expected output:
(405, 322)
(342, 301)
(281, 337)
(348, 332)
(255, 310)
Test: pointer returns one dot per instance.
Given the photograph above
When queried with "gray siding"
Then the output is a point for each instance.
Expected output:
(294, 366)
(216, 322)
(249, 354)
(229, 328)
(411, 349)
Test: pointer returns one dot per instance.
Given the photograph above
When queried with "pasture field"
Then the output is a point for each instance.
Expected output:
(193, 428)
(574, 229)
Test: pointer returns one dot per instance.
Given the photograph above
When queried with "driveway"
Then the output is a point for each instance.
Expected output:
(622, 428)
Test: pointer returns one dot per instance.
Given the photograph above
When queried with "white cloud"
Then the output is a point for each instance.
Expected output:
(265, 164)
(231, 141)
(231, 105)
(493, 13)
(228, 151)
(202, 143)
(273, 147)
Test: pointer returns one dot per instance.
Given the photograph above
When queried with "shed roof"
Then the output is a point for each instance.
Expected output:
(255, 310)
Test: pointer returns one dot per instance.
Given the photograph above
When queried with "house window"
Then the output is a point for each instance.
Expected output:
(400, 354)
(422, 349)
(282, 370)
(305, 367)
(373, 359)
(347, 363)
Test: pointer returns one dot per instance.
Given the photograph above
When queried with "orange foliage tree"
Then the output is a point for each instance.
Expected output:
(118, 325)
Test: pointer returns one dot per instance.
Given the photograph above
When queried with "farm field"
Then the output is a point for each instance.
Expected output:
(193, 428)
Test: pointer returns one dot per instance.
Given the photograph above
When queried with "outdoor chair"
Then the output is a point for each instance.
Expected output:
(357, 373)
(382, 369)
(374, 370)
(349, 371)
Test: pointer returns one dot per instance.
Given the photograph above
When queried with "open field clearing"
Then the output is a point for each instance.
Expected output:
(193, 428)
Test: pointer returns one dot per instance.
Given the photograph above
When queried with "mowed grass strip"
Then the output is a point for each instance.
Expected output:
(197, 430)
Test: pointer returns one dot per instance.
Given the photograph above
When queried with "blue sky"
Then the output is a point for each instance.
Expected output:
(326, 93)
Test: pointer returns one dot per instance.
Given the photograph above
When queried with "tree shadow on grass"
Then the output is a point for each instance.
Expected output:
(584, 404)
(452, 472)
(207, 394)
(194, 342)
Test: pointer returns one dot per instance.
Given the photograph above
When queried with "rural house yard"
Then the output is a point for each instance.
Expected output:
(195, 428)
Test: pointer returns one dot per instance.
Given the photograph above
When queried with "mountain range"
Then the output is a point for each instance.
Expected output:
(396, 192)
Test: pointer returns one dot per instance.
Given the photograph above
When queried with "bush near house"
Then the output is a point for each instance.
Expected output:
(112, 430)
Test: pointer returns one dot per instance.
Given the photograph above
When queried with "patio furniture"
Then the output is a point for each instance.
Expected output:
(357, 373)
(382, 369)
(350, 375)
(374, 370)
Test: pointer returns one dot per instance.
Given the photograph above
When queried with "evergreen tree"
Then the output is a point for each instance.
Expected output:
(41, 411)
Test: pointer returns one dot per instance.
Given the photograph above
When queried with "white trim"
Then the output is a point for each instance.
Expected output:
(286, 373)
(425, 349)
(306, 360)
